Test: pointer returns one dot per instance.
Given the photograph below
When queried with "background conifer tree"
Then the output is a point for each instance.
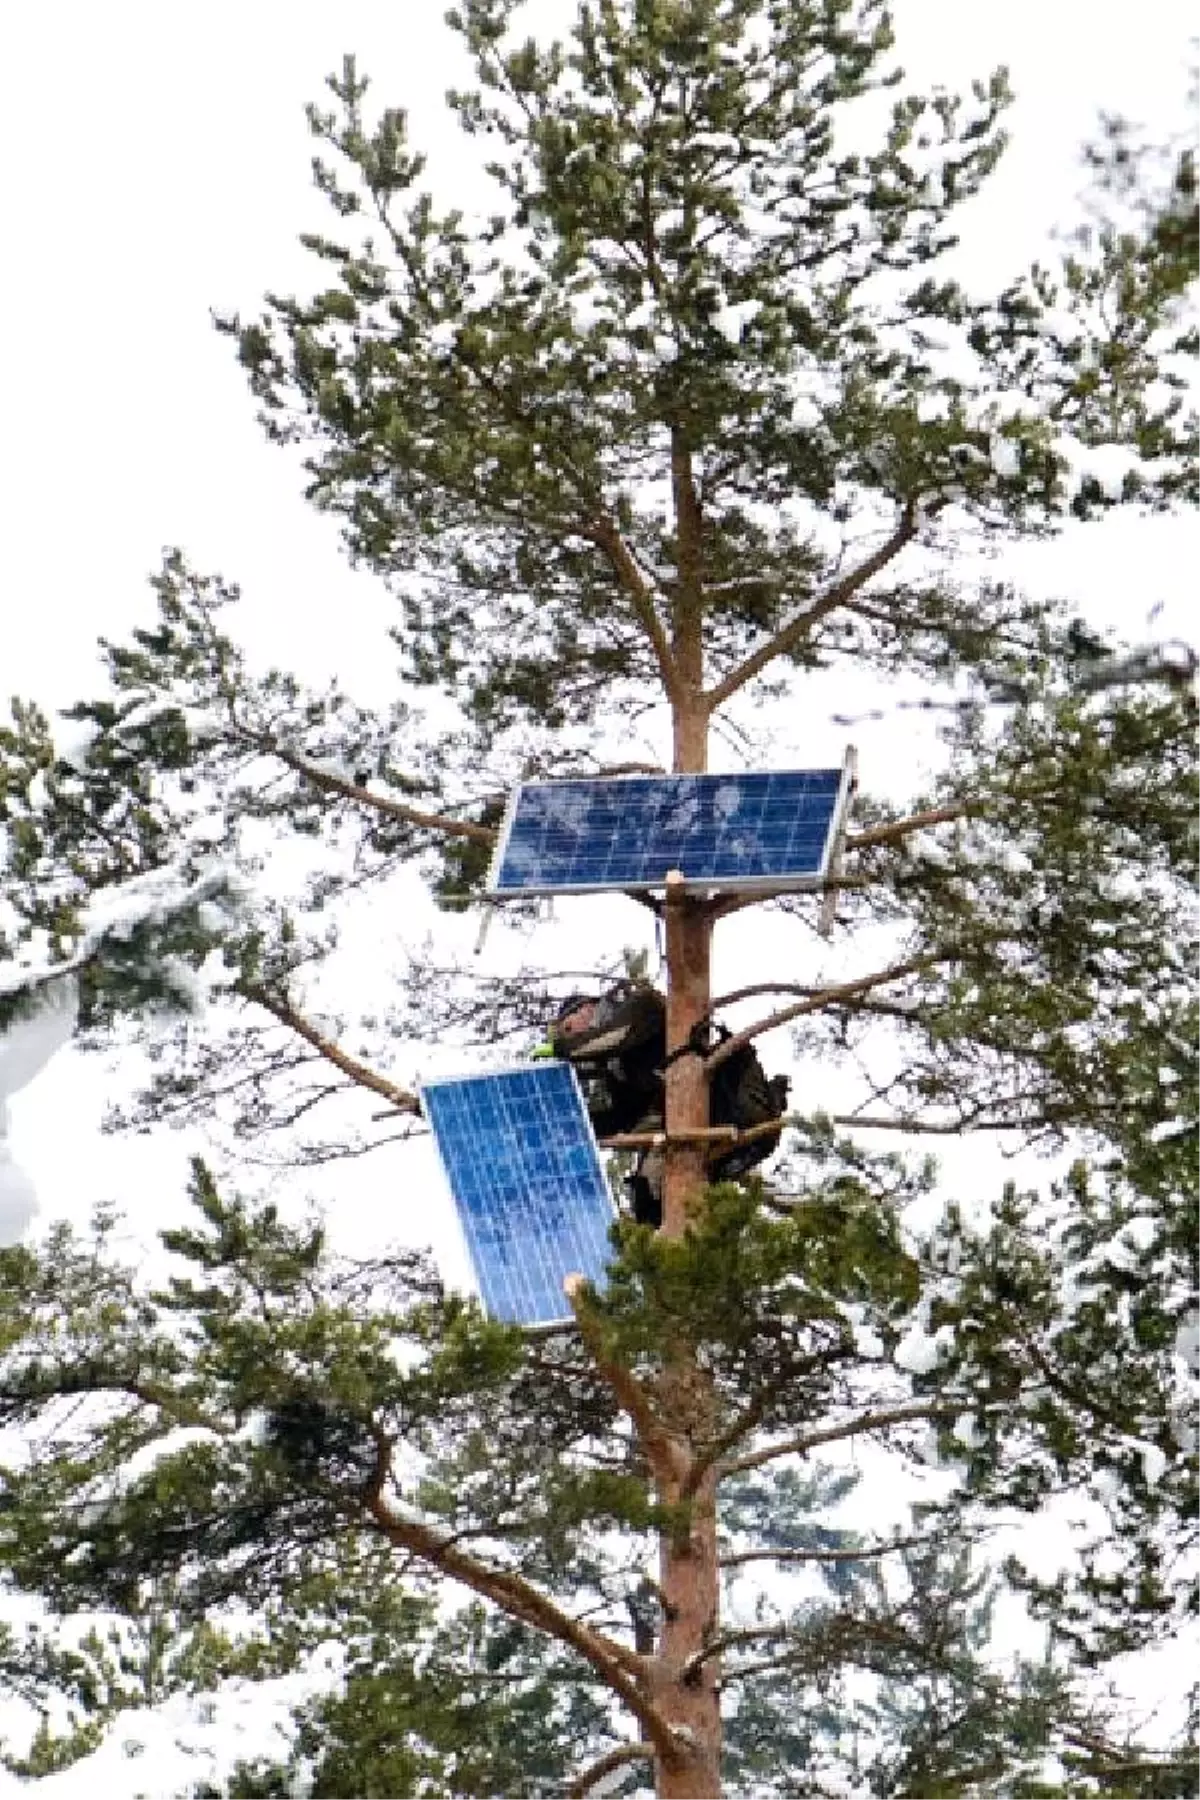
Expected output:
(700, 414)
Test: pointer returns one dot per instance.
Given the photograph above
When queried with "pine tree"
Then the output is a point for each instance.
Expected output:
(697, 416)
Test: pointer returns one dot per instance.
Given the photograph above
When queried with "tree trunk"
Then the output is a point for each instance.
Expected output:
(685, 1683)
(686, 1687)
(689, 985)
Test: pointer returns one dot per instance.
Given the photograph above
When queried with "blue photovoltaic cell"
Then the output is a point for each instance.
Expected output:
(522, 1164)
(757, 830)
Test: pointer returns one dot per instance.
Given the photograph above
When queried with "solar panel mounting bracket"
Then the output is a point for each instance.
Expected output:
(828, 913)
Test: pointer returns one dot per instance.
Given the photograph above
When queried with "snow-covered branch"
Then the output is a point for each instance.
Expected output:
(594, 1779)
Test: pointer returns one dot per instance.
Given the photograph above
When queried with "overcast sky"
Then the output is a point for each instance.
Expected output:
(156, 165)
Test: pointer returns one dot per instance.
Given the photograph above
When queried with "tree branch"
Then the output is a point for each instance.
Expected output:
(604, 533)
(622, 1669)
(661, 1451)
(797, 629)
(399, 1099)
(608, 1765)
(100, 1378)
(729, 1640)
(747, 1420)
(884, 1008)
(830, 996)
(899, 828)
(827, 1556)
(972, 1121)
(872, 1421)
(329, 783)
(844, 884)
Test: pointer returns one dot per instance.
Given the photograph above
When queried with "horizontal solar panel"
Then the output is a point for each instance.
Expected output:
(521, 1161)
(748, 831)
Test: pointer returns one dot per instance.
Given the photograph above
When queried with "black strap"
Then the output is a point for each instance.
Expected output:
(697, 1042)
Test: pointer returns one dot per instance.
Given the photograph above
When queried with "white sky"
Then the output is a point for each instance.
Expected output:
(156, 164)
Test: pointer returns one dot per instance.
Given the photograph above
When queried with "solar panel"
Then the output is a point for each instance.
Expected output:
(748, 831)
(521, 1162)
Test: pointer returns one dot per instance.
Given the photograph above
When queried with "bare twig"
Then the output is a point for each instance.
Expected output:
(972, 1121)
(825, 1556)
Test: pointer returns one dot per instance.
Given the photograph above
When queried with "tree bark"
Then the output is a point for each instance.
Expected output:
(675, 1416)
(688, 922)
(689, 985)
(685, 1683)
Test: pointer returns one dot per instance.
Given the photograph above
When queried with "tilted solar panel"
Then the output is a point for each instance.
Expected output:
(522, 1165)
(748, 831)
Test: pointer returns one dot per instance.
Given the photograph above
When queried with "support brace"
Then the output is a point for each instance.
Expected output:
(724, 1134)
(658, 1140)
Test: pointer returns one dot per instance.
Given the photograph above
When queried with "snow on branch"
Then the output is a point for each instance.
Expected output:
(28, 1044)
(598, 1777)
(150, 934)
